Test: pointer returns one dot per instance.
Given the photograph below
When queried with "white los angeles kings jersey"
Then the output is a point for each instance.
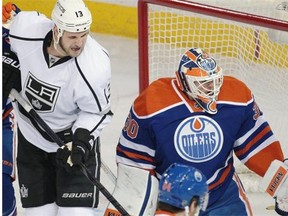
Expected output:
(72, 93)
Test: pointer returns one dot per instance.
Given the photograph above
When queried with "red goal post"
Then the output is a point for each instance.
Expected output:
(251, 45)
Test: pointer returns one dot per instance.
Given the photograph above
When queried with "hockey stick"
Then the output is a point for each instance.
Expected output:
(14, 93)
(108, 172)
(50, 132)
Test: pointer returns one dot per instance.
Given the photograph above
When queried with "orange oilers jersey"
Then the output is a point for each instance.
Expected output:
(164, 126)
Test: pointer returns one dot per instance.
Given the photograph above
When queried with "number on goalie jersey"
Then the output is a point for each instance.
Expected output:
(65, 76)
(200, 119)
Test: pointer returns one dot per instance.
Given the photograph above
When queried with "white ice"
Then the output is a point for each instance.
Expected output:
(124, 57)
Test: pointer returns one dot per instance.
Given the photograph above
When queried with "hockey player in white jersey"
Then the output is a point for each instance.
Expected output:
(65, 76)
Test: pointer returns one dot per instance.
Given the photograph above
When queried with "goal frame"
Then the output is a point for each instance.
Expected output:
(143, 26)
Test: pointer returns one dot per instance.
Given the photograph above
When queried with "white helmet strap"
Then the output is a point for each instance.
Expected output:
(187, 210)
(57, 39)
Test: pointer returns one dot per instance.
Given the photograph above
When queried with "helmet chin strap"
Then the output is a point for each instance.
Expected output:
(56, 41)
(187, 211)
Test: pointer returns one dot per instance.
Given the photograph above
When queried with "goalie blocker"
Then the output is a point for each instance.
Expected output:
(275, 183)
(140, 188)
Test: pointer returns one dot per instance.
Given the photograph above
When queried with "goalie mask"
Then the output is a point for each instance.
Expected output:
(200, 78)
(71, 16)
(180, 183)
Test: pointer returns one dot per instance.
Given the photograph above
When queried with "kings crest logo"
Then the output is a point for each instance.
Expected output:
(23, 191)
(42, 96)
(198, 139)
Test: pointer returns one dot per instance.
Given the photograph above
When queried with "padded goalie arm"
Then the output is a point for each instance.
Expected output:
(275, 183)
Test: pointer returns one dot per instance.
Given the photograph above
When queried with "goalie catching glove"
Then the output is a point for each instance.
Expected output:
(275, 183)
(76, 152)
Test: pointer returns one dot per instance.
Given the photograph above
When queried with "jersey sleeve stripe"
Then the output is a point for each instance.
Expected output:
(138, 147)
(224, 174)
(246, 147)
(245, 137)
(134, 155)
(260, 161)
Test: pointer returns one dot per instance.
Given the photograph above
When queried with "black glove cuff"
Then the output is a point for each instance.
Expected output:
(279, 211)
(11, 77)
(83, 136)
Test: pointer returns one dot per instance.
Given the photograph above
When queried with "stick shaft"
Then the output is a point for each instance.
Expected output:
(56, 139)
(50, 132)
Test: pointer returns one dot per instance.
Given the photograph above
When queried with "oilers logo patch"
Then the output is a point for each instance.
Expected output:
(42, 96)
(198, 139)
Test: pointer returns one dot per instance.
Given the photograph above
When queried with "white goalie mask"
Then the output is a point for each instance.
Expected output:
(200, 78)
(71, 16)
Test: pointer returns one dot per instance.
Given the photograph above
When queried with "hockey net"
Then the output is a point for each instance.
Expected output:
(249, 41)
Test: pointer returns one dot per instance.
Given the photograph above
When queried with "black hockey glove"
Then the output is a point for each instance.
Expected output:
(81, 145)
(11, 74)
(63, 157)
(10, 63)
(75, 152)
